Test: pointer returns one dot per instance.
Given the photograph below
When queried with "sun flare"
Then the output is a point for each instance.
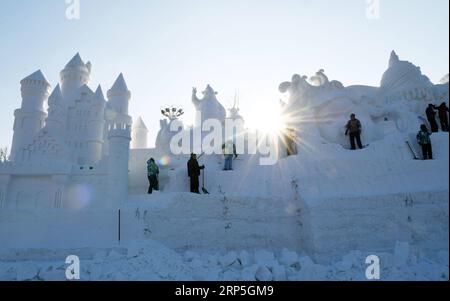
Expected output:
(267, 120)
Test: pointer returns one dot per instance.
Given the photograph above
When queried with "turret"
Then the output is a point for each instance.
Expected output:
(118, 100)
(119, 137)
(73, 76)
(139, 135)
(96, 127)
(56, 113)
(29, 119)
(117, 107)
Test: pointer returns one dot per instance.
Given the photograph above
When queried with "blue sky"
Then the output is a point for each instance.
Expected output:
(166, 47)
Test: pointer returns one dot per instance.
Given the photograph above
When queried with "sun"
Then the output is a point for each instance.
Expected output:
(267, 120)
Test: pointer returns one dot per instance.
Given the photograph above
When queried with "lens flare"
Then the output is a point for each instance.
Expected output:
(79, 196)
(164, 161)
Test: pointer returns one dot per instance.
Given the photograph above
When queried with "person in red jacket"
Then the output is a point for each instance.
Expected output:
(443, 116)
(431, 116)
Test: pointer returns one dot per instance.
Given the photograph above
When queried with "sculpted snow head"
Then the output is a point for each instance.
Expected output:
(208, 107)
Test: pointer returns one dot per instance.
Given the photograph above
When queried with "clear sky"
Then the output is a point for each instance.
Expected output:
(166, 47)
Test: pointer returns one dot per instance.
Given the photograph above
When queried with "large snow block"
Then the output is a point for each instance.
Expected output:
(375, 223)
(191, 222)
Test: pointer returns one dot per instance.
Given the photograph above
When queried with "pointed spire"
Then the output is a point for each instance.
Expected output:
(56, 94)
(140, 124)
(76, 61)
(36, 76)
(236, 100)
(86, 90)
(393, 59)
(120, 84)
(89, 66)
(99, 93)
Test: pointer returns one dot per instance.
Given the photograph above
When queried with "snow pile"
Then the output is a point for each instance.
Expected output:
(149, 260)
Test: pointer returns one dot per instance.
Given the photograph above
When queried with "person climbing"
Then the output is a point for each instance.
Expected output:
(152, 173)
(424, 140)
(431, 116)
(354, 130)
(443, 116)
(194, 172)
(229, 149)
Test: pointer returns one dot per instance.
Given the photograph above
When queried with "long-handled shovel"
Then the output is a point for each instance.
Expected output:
(412, 150)
(203, 183)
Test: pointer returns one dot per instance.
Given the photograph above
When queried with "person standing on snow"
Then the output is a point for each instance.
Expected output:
(431, 116)
(423, 138)
(354, 130)
(194, 172)
(443, 116)
(229, 149)
(152, 173)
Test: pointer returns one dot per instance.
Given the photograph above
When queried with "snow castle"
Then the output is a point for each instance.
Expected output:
(75, 153)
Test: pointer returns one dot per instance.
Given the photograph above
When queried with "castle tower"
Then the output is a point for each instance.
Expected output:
(119, 137)
(56, 113)
(139, 135)
(96, 128)
(118, 100)
(29, 119)
(117, 107)
(73, 76)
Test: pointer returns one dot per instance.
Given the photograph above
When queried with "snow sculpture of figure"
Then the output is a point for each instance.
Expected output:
(209, 107)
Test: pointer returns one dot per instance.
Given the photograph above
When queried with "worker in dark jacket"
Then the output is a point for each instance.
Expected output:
(152, 173)
(354, 130)
(431, 116)
(423, 139)
(443, 116)
(194, 172)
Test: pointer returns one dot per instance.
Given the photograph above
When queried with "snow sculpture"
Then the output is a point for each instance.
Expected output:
(319, 108)
(209, 107)
(139, 135)
(320, 79)
(404, 80)
(165, 135)
(234, 111)
(82, 141)
(29, 119)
